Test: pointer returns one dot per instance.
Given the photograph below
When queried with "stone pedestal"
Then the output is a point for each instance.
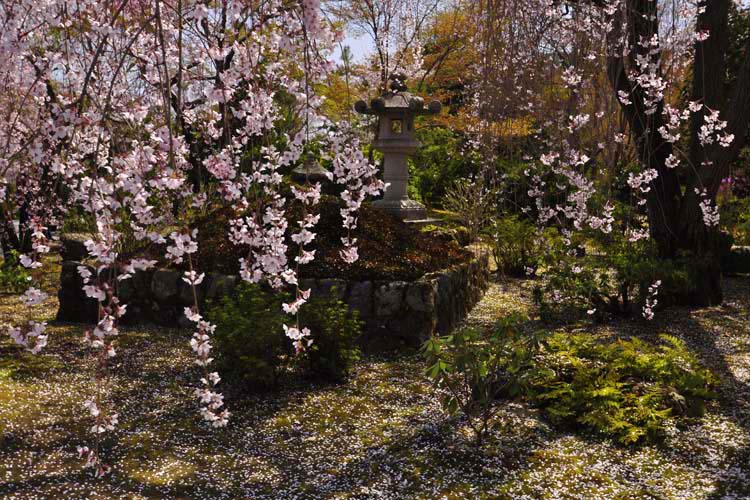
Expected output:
(408, 210)
(396, 174)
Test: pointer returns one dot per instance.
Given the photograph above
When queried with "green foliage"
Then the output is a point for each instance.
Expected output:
(605, 274)
(630, 390)
(473, 368)
(77, 220)
(458, 234)
(14, 278)
(252, 350)
(625, 389)
(334, 332)
(735, 219)
(249, 338)
(438, 163)
(515, 245)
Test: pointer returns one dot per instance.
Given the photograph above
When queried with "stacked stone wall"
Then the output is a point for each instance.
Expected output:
(395, 313)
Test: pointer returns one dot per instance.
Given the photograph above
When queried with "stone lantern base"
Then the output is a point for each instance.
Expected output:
(404, 209)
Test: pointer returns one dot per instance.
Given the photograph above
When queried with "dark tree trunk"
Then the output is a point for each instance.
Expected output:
(8, 237)
(24, 231)
(674, 213)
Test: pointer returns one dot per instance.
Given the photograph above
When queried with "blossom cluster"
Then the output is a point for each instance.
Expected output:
(147, 134)
(651, 300)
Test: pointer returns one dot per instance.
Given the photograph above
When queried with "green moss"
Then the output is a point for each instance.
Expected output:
(381, 429)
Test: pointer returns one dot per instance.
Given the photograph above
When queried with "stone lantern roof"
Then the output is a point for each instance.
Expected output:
(310, 170)
(398, 99)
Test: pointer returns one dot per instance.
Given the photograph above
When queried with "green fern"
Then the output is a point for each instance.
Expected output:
(626, 389)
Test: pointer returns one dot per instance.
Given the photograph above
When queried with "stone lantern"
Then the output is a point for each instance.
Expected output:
(396, 111)
(310, 170)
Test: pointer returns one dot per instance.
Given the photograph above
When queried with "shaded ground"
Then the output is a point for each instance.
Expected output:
(381, 435)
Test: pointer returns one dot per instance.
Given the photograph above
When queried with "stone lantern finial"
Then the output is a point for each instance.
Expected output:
(396, 111)
(398, 82)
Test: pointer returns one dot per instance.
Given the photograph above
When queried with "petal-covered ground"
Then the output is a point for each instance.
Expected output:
(380, 435)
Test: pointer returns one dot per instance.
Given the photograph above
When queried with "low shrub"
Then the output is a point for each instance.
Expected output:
(334, 332)
(249, 339)
(629, 390)
(473, 368)
(14, 278)
(516, 245)
(252, 350)
(624, 389)
(613, 278)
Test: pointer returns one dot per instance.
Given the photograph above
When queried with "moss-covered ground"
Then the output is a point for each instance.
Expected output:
(379, 435)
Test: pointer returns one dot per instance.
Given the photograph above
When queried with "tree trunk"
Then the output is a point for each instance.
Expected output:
(674, 212)
(8, 237)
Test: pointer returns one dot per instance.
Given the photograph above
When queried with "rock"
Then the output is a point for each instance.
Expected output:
(69, 276)
(184, 322)
(309, 284)
(72, 247)
(134, 315)
(422, 295)
(412, 329)
(360, 298)
(186, 294)
(165, 285)
(389, 298)
(444, 302)
(221, 285)
(74, 305)
(737, 261)
(332, 287)
(136, 288)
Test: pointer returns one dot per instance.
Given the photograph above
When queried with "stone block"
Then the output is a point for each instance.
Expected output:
(332, 287)
(136, 288)
(69, 276)
(165, 285)
(220, 286)
(389, 298)
(186, 294)
(737, 260)
(72, 247)
(422, 295)
(75, 307)
(360, 298)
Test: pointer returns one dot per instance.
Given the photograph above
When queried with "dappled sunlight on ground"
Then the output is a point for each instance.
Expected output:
(380, 435)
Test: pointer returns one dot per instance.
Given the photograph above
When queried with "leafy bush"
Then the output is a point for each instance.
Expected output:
(253, 351)
(630, 390)
(473, 368)
(249, 339)
(735, 218)
(14, 278)
(473, 203)
(626, 389)
(614, 277)
(77, 220)
(515, 245)
(458, 234)
(441, 160)
(334, 332)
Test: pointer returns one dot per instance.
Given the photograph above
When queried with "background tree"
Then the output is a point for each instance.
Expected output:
(677, 203)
